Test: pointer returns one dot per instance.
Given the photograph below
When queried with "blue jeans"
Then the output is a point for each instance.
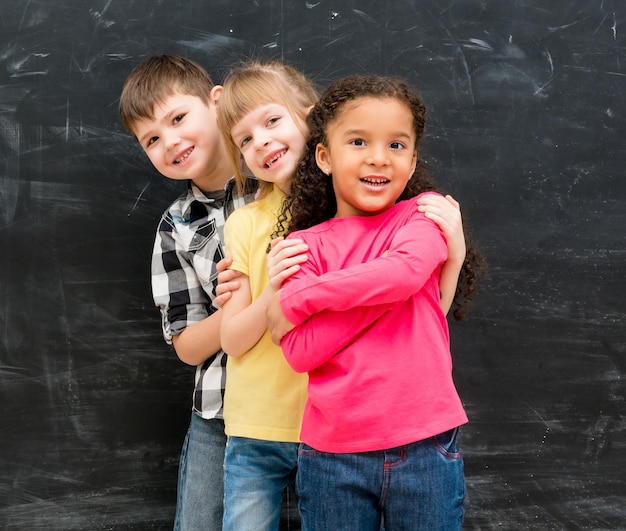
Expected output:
(256, 473)
(200, 476)
(419, 486)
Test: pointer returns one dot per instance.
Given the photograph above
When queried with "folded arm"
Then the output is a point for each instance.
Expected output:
(190, 323)
(325, 334)
(415, 252)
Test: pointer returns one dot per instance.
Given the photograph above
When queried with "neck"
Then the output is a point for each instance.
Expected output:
(217, 177)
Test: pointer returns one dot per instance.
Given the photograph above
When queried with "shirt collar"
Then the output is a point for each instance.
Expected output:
(213, 199)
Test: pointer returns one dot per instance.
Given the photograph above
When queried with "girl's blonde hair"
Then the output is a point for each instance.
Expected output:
(260, 83)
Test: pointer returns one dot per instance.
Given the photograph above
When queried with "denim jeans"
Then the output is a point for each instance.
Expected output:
(200, 498)
(419, 486)
(256, 473)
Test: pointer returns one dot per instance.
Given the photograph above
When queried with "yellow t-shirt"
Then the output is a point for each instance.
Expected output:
(264, 396)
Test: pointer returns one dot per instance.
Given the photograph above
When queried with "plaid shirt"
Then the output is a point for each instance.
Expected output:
(187, 248)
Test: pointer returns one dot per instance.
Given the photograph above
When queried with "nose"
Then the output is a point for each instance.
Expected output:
(172, 140)
(377, 156)
(261, 139)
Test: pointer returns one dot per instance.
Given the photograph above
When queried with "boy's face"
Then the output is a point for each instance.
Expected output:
(183, 141)
(271, 143)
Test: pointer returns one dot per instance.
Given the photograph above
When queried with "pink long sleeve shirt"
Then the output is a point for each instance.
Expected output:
(371, 333)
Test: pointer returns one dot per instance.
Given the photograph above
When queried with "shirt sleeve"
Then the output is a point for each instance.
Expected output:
(177, 290)
(325, 334)
(236, 240)
(416, 250)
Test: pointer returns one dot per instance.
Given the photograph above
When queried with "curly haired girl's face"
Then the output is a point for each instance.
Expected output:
(271, 143)
(370, 154)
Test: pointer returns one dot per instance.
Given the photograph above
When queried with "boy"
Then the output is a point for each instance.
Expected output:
(168, 103)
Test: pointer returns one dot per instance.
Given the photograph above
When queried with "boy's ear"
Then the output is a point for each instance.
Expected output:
(215, 94)
(322, 158)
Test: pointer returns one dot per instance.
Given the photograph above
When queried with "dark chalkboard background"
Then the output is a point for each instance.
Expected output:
(527, 129)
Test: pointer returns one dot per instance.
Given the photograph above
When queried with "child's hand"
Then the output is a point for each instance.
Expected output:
(277, 323)
(284, 259)
(446, 213)
(226, 282)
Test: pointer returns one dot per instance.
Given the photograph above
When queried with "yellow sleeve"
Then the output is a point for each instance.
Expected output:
(237, 234)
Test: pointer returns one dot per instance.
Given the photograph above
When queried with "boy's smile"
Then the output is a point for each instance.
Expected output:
(183, 157)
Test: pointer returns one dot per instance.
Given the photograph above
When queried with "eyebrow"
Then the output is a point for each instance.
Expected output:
(398, 134)
(237, 132)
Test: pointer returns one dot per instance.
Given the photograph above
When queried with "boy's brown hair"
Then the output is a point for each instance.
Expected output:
(156, 78)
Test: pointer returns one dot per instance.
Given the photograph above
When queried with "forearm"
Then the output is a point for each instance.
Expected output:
(199, 341)
(323, 335)
(387, 279)
(243, 325)
(446, 212)
(448, 282)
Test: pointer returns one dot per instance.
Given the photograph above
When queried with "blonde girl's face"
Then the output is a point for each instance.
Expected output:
(271, 143)
(370, 154)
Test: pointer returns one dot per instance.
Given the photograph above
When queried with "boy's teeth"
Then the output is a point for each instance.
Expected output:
(184, 157)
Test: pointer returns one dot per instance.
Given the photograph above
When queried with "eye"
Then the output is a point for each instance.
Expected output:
(273, 120)
(245, 140)
(178, 118)
(151, 141)
(357, 142)
(397, 145)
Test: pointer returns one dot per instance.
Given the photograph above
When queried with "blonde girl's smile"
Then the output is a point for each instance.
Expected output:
(271, 142)
(273, 157)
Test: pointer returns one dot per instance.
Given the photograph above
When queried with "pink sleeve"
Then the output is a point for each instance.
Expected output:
(326, 333)
(416, 250)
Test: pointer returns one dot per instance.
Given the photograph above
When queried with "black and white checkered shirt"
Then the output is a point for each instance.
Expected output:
(187, 248)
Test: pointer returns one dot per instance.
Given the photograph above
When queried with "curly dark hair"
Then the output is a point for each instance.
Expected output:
(312, 199)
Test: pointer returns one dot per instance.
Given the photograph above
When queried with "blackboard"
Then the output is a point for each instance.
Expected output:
(526, 129)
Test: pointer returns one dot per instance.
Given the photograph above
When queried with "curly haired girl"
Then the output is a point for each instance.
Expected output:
(363, 318)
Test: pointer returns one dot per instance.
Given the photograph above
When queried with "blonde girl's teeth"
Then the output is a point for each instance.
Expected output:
(270, 162)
